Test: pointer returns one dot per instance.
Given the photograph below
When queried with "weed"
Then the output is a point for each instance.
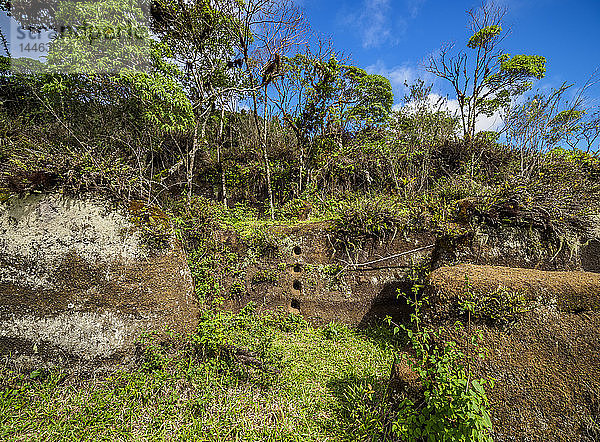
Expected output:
(453, 407)
(265, 276)
(502, 306)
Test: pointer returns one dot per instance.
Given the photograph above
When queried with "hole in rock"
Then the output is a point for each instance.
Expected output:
(297, 285)
(295, 304)
(297, 250)
(297, 268)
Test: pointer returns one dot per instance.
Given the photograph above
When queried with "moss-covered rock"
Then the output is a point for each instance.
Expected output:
(77, 280)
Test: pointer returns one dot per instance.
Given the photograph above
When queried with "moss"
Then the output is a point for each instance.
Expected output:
(265, 276)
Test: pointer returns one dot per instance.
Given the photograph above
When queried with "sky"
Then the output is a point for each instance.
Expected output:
(393, 37)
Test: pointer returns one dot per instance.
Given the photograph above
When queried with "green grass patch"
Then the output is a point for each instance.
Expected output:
(301, 385)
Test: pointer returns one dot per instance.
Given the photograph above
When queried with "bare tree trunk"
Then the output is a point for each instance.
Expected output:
(219, 160)
(262, 136)
(266, 159)
(301, 171)
(191, 161)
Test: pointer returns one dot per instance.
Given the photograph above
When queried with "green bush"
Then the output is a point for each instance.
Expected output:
(360, 218)
(242, 342)
(501, 305)
(454, 406)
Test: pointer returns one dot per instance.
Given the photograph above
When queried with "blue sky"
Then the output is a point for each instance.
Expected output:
(392, 37)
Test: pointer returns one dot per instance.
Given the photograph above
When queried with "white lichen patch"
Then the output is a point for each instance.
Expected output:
(85, 334)
(38, 232)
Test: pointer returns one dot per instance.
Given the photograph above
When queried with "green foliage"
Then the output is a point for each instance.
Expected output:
(152, 222)
(371, 96)
(229, 338)
(358, 219)
(201, 387)
(294, 210)
(501, 306)
(336, 332)
(483, 37)
(364, 408)
(523, 66)
(265, 276)
(152, 355)
(198, 36)
(454, 406)
(100, 36)
(219, 269)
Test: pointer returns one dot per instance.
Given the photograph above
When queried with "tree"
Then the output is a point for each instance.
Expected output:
(262, 29)
(548, 120)
(369, 97)
(484, 78)
(304, 96)
(196, 36)
(418, 128)
(320, 98)
(103, 103)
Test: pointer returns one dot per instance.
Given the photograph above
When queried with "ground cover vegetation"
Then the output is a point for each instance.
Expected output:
(238, 119)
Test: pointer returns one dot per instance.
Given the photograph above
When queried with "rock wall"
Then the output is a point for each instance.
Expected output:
(545, 361)
(518, 246)
(78, 282)
(306, 275)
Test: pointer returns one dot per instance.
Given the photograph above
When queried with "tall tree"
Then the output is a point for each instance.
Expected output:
(304, 95)
(485, 78)
(196, 36)
(264, 30)
(104, 89)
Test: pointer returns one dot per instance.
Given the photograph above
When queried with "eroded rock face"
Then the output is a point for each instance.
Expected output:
(568, 291)
(305, 275)
(77, 281)
(511, 246)
(590, 256)
(545, 361)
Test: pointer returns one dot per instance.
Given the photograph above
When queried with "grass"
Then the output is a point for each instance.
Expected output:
(196, 392)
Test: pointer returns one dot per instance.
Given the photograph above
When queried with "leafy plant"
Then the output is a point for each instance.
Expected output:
(335, 332)
(501, 305)
(265, 276)
(453, 406)
(359, 219)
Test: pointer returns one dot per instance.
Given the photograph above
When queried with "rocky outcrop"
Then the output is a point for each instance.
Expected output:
(306, 275)
(543, 357)
(568, 291)
(78, 282)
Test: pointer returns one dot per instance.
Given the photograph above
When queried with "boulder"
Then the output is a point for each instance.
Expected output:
(571, 291)
(78, 281)
(545, 360)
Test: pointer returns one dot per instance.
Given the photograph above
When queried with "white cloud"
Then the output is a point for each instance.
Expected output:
(437, 102)
(382, 21)
(375, 23)
(414, 7)
(488, 123)
(398, 75)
